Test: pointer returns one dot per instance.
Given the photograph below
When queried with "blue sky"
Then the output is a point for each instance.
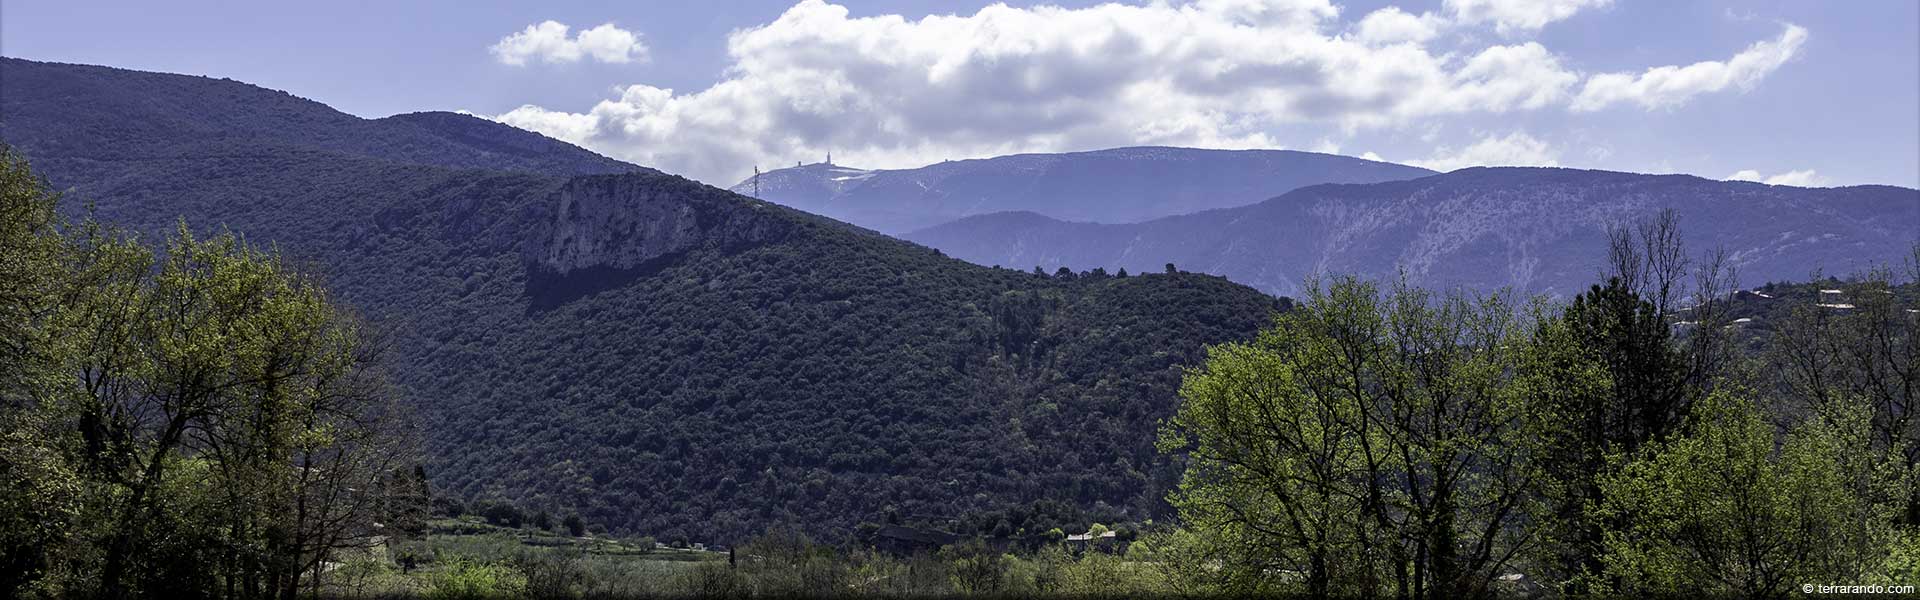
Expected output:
(1820, 93)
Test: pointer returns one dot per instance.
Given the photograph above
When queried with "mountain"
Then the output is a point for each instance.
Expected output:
(156, 116)
(666, 357)
(1120, 185)
(1539, 230)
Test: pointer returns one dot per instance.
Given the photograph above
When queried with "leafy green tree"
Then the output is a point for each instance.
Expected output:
(1727, 509)
(976, 569)
(1821, 357)
(1368, 442)
(30, 269)
(202, 419)
(785, 562)
(41, 492)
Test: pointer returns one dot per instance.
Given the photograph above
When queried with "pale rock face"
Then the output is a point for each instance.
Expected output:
(624, 222)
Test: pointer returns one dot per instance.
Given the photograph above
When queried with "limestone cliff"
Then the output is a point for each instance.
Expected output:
(623, 222)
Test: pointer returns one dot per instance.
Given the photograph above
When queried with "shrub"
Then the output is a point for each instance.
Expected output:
(463, 579)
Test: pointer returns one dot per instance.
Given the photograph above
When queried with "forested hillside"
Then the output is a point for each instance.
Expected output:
(665, 357)
(101, 114)
(1537, 230)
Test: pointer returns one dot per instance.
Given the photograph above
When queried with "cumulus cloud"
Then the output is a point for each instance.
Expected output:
(1516, 149)
(1806, 178)
(1513, 16)
(884, 91)
(548, 41)
(1670, 86)
(1391, 25)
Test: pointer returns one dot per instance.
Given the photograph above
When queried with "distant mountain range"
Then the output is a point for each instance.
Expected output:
(1120, 185)
(1538, 230)
(666, 357)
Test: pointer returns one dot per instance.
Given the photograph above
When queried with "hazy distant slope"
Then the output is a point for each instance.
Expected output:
(665, 356)
(1120, 185)
(159, 115)
(1539, 230)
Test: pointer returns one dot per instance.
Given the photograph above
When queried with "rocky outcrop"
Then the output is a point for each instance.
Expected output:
(624, 222)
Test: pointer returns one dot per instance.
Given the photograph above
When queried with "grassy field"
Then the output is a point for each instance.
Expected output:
(468, 558)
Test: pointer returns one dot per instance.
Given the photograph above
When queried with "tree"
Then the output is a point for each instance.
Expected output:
(502, 513)
(223, 356)
(41, 491)
(29, 271)
(210, 414)
(575, 526)
(410, 501)
(1368, 442)
(1726, 509)
(1647, 378)
(976, 569)
(1822, 357)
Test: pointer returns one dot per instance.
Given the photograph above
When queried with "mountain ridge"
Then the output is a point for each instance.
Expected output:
(1114, 185)
(1379, 229)
(190, 114)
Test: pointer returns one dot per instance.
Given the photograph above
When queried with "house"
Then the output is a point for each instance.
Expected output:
(1830, 298)
(1082, 541)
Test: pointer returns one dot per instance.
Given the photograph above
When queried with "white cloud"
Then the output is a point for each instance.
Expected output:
(548, 41)
(1513, 16)
(1284, 13)
(885, 91)
(1391, 25)
(1516, 149)
(1502, 78)
(1804, 178)
(1670, 86)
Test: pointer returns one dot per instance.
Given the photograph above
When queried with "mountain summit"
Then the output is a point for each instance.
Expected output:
(1121, 185)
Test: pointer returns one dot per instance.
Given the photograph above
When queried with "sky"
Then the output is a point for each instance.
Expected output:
(1786, 92)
